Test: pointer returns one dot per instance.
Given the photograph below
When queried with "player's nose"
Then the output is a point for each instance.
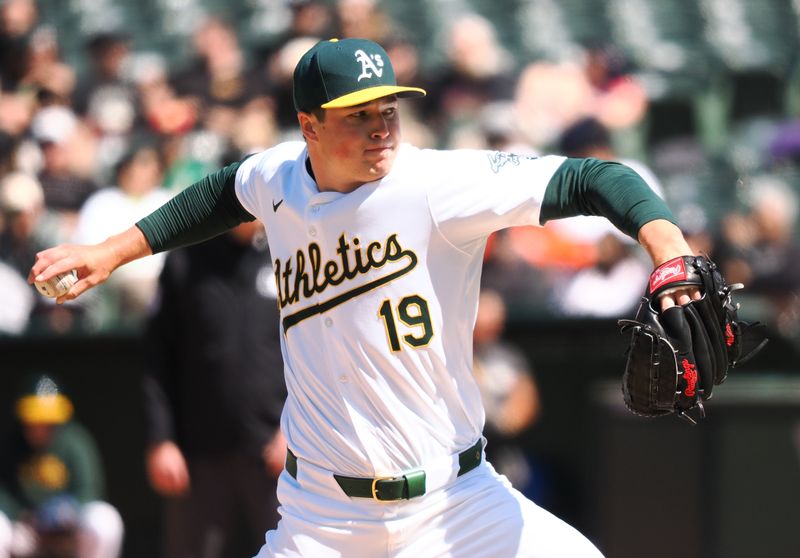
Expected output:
(381, 129)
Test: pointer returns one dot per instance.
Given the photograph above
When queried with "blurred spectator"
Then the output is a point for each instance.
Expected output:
(363, 19)
(107, 100)
(51, 483)
(22, 206)
(107, 52)
(44, 69)
(525, 288)
(16, 112)
(8, 150)
(612, 287)
(405, 60)
(219, 79)
(28, 229)
(759, 248)
(137, 192)
(18, 19)
(549, 97)
(280, 70)
(16, 300)
(500, 130)
(61, 139)
(478, 71)
(162, 111)
(552, 96)
(311, 21)
(213, 394)
(508, 390)
(255, 130)
(309, 18)
(618, 100)
(406, 63)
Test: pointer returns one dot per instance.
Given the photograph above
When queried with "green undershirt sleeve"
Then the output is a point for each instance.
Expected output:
(205, 209)
(611, 190)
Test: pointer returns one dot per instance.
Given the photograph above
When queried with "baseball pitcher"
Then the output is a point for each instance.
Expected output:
(377, 249)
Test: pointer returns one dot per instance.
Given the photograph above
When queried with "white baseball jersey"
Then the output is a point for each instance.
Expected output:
(378, 292)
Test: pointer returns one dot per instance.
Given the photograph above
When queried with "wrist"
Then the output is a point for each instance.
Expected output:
(126, 247)
(663, 241)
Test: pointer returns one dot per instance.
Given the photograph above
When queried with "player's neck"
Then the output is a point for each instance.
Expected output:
(328, 183)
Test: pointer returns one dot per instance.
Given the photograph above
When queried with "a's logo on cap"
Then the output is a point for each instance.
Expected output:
(369, 63)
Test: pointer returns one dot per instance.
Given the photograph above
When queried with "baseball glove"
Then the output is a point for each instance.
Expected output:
(677, 356)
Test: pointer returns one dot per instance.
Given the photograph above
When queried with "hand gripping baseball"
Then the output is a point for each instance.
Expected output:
(89, 262)
(93, 263)
(679, 353)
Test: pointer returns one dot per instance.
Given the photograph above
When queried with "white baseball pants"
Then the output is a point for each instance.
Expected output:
(479, 515)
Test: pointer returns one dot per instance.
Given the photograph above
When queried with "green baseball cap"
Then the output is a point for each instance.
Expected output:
(343, 73)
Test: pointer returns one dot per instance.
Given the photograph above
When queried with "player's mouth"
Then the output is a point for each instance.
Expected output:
(379, 150)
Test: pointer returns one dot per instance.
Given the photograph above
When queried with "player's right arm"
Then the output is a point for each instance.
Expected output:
(94, 263)
(203, 210)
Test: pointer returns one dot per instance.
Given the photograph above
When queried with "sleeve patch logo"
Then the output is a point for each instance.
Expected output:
(673, 270)
(499, 159)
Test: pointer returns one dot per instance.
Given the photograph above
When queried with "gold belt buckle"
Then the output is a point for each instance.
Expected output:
(375, 489)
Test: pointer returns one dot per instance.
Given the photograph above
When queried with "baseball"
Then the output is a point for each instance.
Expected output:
(57, 286)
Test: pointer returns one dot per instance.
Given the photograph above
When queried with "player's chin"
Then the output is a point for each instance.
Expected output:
(380, 162)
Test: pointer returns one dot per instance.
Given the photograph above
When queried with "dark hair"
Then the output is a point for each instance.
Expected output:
(101, 42)
(319, 112)
(583, 135)
(133, 152)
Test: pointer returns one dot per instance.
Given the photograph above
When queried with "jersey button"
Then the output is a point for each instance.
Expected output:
(312, 231)
(328, 322)
(344, 379)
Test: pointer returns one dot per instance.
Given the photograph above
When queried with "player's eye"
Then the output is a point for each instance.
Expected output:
(390, 112)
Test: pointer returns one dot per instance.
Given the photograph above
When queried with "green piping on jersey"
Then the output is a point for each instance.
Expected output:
(314, 309)
(296, 280)
(203, 210)
(612, 190)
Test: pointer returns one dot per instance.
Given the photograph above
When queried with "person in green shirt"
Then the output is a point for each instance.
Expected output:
(51, 482)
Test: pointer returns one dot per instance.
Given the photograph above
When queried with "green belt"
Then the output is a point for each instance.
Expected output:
(397, 488)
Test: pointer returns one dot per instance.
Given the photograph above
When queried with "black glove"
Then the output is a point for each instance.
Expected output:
(677, 356)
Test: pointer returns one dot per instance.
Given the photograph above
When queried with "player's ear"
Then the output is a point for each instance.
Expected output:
(308, 125)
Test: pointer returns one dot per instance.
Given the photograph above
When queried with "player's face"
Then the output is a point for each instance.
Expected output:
(354, 145)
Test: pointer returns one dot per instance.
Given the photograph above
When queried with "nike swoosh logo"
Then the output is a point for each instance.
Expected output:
(275, 206)
(322, 307)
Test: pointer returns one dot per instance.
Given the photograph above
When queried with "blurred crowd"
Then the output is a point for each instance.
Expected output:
(99, 128)
(91, 142)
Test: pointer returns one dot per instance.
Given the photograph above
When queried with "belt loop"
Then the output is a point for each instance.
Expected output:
(471, 458)
(415, 482)
(291, 463)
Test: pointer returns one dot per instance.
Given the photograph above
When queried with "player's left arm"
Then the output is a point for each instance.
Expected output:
(618, 193)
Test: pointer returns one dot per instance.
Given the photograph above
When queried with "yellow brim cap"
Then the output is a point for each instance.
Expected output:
(371, 93)
(54, 409)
